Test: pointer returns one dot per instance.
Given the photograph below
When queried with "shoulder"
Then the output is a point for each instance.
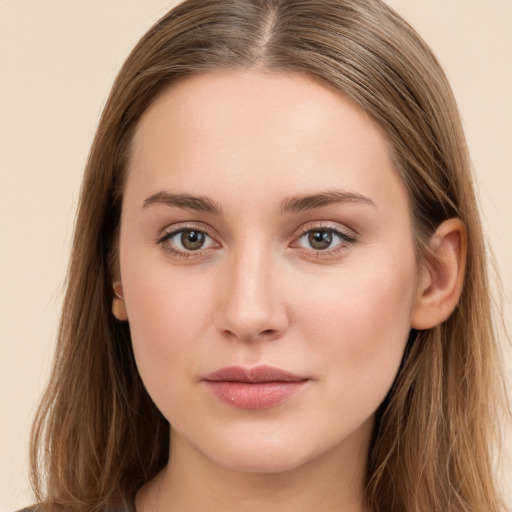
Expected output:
(126, 507)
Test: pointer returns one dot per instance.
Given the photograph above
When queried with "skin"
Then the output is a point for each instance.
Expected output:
(257, 292)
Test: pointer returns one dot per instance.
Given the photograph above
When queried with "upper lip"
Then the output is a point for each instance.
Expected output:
(256, 374)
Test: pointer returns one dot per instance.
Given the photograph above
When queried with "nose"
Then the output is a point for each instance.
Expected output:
(252, 305)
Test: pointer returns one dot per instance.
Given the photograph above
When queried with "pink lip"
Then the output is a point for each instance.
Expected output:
(254, 388)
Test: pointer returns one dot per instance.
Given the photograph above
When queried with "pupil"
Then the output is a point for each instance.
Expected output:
(192, 240)
(320, 239)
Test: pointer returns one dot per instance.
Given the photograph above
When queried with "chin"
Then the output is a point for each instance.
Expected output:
(262, 461)
(262, 453)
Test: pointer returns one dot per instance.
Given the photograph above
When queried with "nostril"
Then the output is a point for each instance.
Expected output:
(266, 334)
(269, 334)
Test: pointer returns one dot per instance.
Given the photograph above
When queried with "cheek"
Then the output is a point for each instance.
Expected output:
(360, 324)
(165, 326)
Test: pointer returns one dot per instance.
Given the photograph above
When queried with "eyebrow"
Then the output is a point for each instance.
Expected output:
(185, 201)
(288, 205)
(322, 199)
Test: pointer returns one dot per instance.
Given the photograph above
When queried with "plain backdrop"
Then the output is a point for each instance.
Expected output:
(58, 59)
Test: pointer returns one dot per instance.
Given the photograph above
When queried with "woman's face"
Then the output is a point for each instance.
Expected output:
(264, 225)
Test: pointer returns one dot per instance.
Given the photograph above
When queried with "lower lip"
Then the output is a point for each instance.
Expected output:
(254, 395)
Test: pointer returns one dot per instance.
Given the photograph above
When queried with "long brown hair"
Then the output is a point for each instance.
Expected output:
(98, 436)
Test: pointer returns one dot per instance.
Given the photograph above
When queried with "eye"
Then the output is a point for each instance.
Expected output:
(320, 239)
(183, 242)
(323, 239)
(191, 239)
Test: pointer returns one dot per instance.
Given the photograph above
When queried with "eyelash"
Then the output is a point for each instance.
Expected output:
(345, 238)
(167, 247)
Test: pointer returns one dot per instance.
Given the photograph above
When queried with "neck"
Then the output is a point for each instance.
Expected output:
(191, 481)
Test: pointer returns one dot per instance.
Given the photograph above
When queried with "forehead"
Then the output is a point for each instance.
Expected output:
(256, 130)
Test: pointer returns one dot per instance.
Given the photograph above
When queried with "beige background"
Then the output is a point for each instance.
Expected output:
(57, 61)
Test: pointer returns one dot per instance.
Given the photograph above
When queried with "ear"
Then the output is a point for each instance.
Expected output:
(118, 306)
(442, 276)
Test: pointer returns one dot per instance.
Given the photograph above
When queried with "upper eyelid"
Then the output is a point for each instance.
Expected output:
(345, 237)
(334, 226)
(184, 226)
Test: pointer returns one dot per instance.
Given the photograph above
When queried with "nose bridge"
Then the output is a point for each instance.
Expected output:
(252, 305)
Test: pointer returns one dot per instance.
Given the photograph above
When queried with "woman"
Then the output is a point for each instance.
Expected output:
(277, 296)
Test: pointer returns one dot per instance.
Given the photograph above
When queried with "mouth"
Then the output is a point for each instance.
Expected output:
(260, 387)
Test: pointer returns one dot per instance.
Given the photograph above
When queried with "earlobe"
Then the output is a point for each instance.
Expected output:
(118, 305)
(442, 277)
